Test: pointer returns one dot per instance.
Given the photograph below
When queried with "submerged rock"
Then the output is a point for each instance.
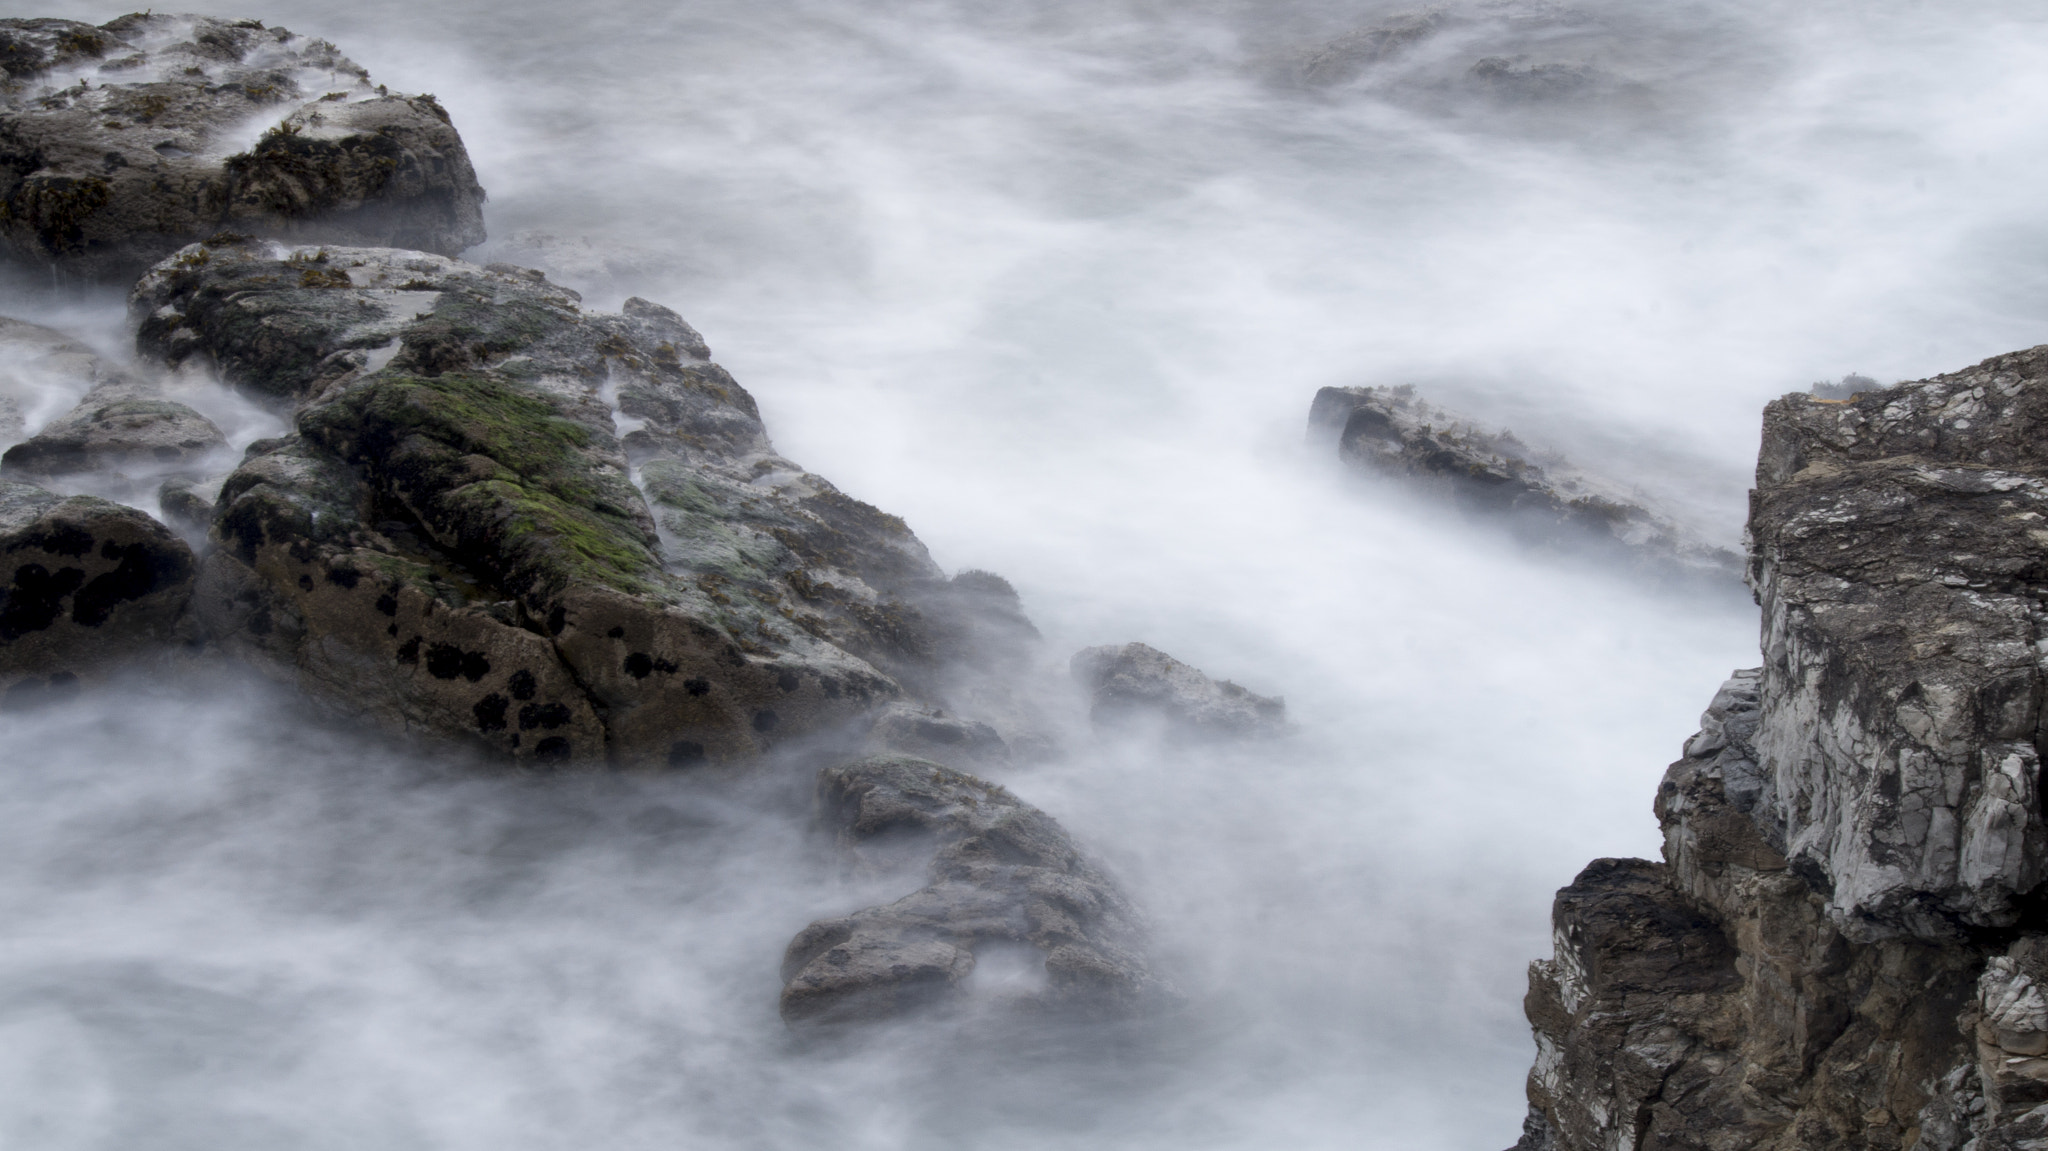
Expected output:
(43, 372)
(452, 539)
(1130, 680)
(1541, 497)
(1856, 831)
(84, 583)
(123, 142)
(1007, 887)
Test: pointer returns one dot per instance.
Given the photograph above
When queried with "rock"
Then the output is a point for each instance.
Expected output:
(120, 430)
(43, 372)
(84, 584)
(124, 142)
(917, 731)
(1859, 819)
(1541, 497)
(452, 539)
(1133, 679)
(1006, 887)
(188, 505)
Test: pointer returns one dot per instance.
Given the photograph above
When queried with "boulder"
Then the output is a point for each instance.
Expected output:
(43, 372)
(84, 585)
(1007, 888)
(1134, 680)
(1541, 497)
(123, 142)
(128, 432)
(452, 539)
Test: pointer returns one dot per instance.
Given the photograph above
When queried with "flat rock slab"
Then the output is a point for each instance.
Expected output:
(1004, 878)
(84, 583)
(120, 143)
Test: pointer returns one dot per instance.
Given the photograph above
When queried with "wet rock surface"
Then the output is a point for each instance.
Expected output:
(84, 585)
(122, 142)
(1007, 890)
(453, 541)
(1133, 681)
(1541, 497)
(1858, 819)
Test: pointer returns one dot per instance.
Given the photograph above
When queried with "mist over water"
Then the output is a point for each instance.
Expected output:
(1055, 284)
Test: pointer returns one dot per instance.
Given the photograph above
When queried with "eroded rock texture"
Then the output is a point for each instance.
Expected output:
(84, 584)
(1845, 944)
(453, 539)
(122, 142)
(1004, 882)
(1539, 496)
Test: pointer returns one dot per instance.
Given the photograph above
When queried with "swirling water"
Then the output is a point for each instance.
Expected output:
(1056, 285)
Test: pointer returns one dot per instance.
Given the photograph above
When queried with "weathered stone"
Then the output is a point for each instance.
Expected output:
(84, 584)
(1003, 875)
(117, 429)
(453, 539)
(1132, 680)
(922, 732)
(43, 372)
(1541, 497)
(123, 142)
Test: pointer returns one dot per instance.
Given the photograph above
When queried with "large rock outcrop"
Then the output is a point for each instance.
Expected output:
(1540, 496)
(1853, 847)
(1003, 878)
(122, 142)
(453, 539)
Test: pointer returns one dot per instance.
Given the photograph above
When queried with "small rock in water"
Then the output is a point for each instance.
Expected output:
(1007, 891)
(1133, 679)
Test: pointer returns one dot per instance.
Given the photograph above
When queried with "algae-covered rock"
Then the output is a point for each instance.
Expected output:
(84, 583)
(122, 142)
(452, 538)
(1006, 887)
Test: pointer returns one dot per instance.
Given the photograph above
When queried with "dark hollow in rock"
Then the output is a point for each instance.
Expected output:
(115, 145)
(1131, 680)
(1003, 877)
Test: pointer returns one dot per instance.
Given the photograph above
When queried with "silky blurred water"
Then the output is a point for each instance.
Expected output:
(1055, 284)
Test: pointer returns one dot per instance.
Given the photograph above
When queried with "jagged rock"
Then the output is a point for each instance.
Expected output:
(1541, 497)
(84, 583)
(452, 539)
(1129, 680)
(1003, 876)
(1861, 817)
(1898, 558)
(123, 142)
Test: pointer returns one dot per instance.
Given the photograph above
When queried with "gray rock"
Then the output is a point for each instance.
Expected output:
(1541, 497)
(923, 732)
(117, 429)
(84, 585)
(452, 540)
(188, 504)
(43, 372)
(1132, 680)
(1004, 878)
(123, 142)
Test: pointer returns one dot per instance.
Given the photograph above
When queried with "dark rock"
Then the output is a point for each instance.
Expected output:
(1004, 877)
(188, 505)
(1131, 680)
(461, 481)
(1860, 819)
(118, 145)
(1541, 497)
(84, 584)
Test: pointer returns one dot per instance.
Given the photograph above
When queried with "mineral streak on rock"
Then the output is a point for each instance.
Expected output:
(1858, 821)
(452, 540)
(1002, 874)
(1131, 680)
(84, 584)
(123, 142)
(1541, 497)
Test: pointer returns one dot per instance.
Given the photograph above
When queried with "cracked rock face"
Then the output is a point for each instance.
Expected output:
(1899, 543)
(84, 583)
(122, 142)
(1130, 680)
(453, 539)
(1541, 497)
(1007, 889)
